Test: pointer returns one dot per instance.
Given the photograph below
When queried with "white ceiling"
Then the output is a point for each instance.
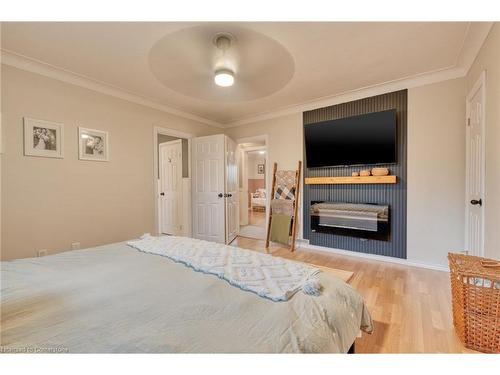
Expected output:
(279, 64)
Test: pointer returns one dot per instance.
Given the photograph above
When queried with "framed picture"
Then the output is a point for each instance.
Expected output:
(93, 144)
(261, 169)
(43, 138)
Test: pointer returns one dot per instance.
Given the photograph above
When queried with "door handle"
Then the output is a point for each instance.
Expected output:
(476, 202)
(220, 195)
(230, 195)
(162, 193)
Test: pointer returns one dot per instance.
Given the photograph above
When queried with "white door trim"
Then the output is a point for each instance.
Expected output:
(479, 85)
(173, 133)
(243, 175)
(232, 200)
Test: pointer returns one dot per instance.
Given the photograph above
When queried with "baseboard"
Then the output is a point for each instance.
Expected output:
(304, 244)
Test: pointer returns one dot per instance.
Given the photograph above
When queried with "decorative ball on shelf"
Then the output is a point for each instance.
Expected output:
(378, 171)
(355, 174)
(364, 172)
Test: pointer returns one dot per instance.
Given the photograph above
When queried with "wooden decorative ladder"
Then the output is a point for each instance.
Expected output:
(295, 204)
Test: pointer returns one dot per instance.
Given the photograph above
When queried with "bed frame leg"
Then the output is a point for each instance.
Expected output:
(352, 349)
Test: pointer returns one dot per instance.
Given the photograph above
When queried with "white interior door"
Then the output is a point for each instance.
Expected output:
(170, 187)
(232, 191)
(475, 170)
(208, 188)
(244, 188)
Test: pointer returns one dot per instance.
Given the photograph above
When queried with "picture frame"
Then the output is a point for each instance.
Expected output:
(93, 144)
(261, 168)
(43, 138)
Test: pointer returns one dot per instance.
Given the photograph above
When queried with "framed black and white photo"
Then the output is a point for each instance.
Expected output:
(93, 144)
(260, 168)
(43, 138)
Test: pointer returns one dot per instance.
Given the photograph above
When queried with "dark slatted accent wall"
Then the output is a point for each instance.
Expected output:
(392, 195)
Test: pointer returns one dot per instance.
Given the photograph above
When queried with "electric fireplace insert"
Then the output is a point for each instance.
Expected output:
(369, 221)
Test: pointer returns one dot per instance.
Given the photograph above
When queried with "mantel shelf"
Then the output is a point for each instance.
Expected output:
(351, 180)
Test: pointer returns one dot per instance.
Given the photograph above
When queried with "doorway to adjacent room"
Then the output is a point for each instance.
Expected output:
(172, 182)
(253, 187)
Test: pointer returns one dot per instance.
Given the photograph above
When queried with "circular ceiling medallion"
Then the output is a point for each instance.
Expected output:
(186, 61)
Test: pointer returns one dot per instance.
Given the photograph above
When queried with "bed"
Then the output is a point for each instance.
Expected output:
(116, 299)
(258, 200)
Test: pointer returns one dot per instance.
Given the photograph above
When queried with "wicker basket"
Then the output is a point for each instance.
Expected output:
(475, 291)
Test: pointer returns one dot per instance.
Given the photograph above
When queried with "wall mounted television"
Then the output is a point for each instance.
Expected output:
(358, 140)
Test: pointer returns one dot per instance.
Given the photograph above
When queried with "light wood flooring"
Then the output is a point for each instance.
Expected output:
(257, 218)
(410, 306)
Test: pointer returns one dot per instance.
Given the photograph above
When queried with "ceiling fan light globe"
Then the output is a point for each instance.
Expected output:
(224, 78)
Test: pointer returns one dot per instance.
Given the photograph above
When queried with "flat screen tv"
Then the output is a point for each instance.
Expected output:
(357, 140)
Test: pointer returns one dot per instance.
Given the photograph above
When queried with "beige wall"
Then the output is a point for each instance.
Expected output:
(284, 142)
(1, 144)
(436, 157)
(50, 203)
(284, 139)
(252, 162)
(436, 171)
(489, 59)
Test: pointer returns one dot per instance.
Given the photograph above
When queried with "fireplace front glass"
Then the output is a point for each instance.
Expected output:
(370, 221)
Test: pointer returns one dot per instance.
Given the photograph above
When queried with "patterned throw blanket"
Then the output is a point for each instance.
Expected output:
(271, 277)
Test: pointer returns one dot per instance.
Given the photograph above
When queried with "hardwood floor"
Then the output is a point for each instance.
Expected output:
(410, 306)
(257, 218)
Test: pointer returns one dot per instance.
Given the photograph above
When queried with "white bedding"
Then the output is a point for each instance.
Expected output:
(270, 277)
(116, 299)
(258, 202)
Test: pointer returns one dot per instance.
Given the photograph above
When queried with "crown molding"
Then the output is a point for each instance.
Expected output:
(347, 96)
(476, 34)
(35, 66)
(473, 41)
(474, 38)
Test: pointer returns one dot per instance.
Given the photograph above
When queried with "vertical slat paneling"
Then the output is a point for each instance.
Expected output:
(392, 195)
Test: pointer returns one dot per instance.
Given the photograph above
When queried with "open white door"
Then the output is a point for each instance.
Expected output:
(232, 191)
(208, 188)
(475, 169)
(170, 187)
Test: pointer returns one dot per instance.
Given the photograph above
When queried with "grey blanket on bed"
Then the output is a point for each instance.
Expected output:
(116, 299)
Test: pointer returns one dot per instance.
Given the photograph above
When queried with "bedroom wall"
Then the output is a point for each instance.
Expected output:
(1, 146)
(435, 126)
(285, 145)
(489, 59)
(50, 203)
(253, 161)
(436, 171)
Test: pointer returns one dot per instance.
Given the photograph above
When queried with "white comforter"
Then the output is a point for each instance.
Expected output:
(116, 299)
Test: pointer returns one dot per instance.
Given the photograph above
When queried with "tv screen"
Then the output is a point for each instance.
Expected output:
(363, 139)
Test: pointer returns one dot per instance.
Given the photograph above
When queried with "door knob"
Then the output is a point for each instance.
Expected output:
(162, 193)
(476, 202)
(230, 195)
(220, 195)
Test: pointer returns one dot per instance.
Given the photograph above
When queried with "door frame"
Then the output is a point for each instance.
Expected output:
(227, 139)
(267, 177)
(172, 133)
(479, 85)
